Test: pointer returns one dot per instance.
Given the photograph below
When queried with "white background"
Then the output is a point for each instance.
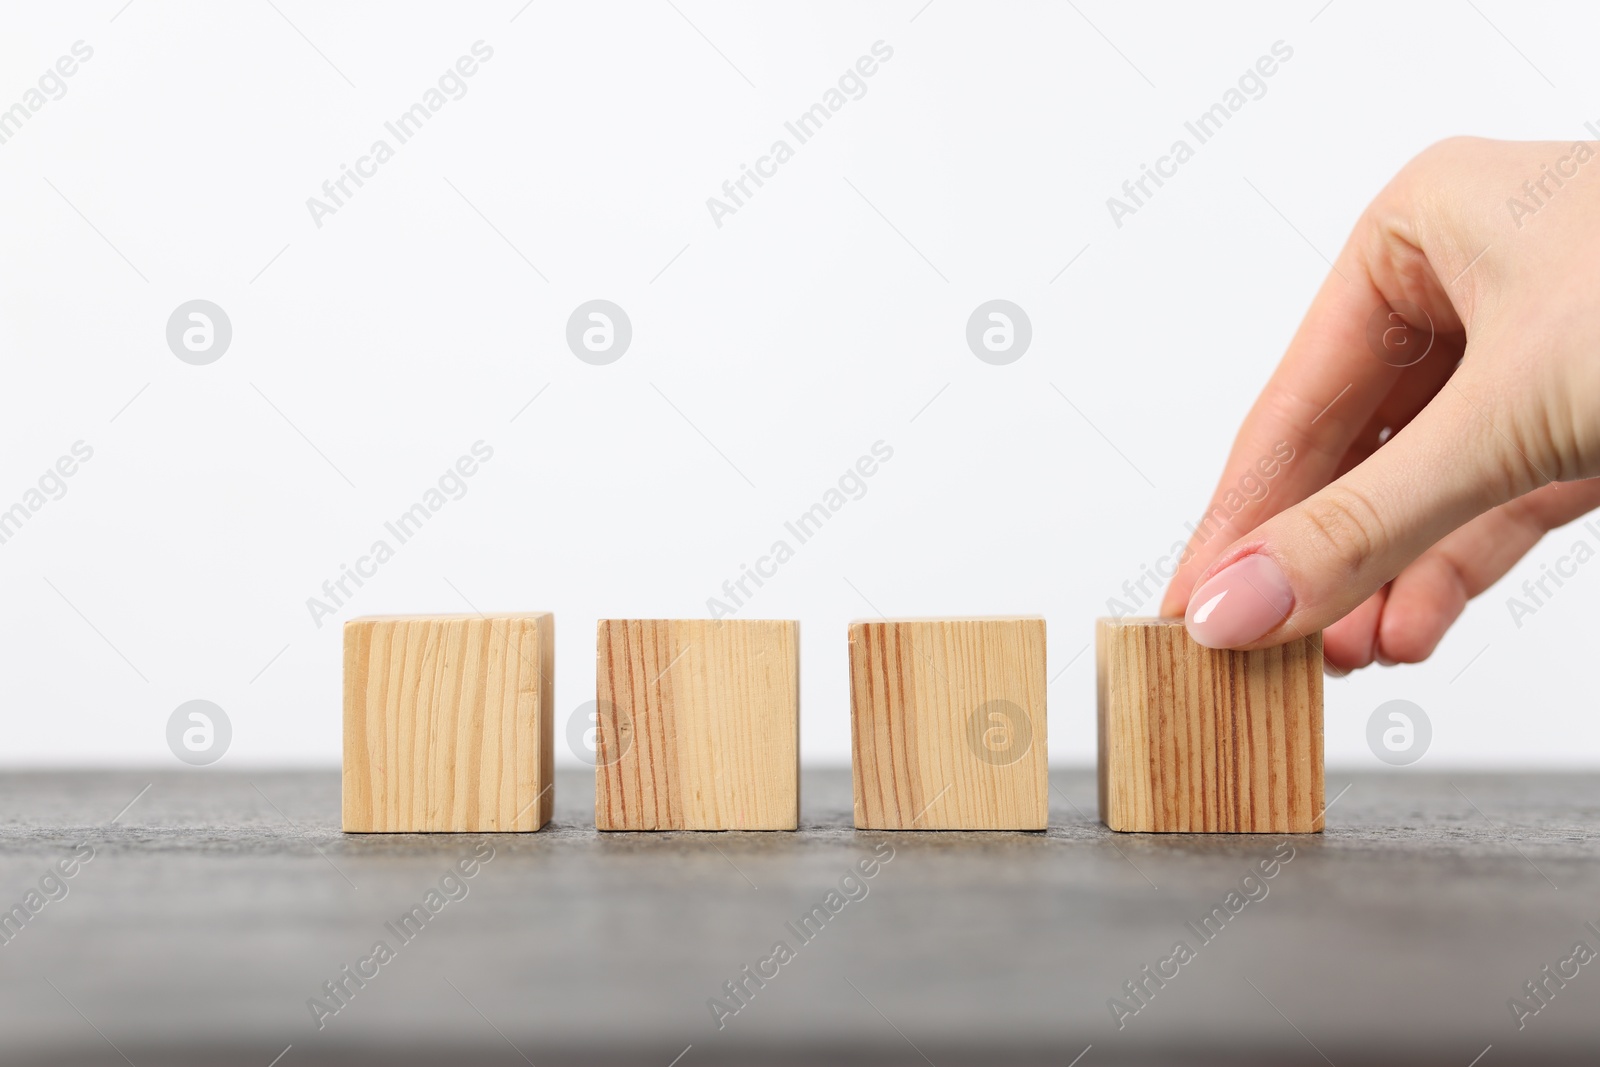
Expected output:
(806, 328)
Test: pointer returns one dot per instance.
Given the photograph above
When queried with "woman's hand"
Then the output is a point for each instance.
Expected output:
(1442, 398)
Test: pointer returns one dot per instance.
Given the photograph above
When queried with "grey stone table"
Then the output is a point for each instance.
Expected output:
(200, 922)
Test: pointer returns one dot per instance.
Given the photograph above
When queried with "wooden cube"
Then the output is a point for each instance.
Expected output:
(448, 723)
(948, 724)
(698, 724)
(1201, 740)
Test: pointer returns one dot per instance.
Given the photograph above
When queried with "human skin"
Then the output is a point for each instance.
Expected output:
(1415, 488)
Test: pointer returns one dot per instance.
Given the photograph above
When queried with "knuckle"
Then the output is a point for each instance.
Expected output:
(1523, 445)
(1347, 525)
(1448, 155)
(1542, 445)
(1451, 147)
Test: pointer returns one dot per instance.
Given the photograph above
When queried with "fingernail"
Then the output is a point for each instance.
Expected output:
(1240, 603)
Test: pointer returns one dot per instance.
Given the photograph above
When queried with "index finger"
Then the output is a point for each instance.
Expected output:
(1346, 358)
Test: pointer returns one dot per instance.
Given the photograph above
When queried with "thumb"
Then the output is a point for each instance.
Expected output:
(1311, 564)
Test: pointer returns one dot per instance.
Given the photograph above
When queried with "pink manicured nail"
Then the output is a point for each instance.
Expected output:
(1240, 603)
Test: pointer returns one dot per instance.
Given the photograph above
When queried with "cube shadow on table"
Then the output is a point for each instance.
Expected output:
(1202, 740)
(448, 723)
(948, 724)
(698, 724)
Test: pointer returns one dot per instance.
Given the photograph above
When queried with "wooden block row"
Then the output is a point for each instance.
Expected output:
(449, 726)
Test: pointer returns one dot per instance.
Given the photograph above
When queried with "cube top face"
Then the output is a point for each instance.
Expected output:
(906, 620)
(698, 724)
(464, 616)
(1200, 740)
(948, 724)
(448, 723)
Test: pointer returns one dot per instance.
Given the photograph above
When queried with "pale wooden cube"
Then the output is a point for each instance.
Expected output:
(448, 723)
(1202, 740)
(698, 724)
(948, 724)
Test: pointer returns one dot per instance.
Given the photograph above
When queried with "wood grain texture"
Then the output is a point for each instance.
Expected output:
(448, 723)
(1200, 740)
(948, 724)
(699, 724)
